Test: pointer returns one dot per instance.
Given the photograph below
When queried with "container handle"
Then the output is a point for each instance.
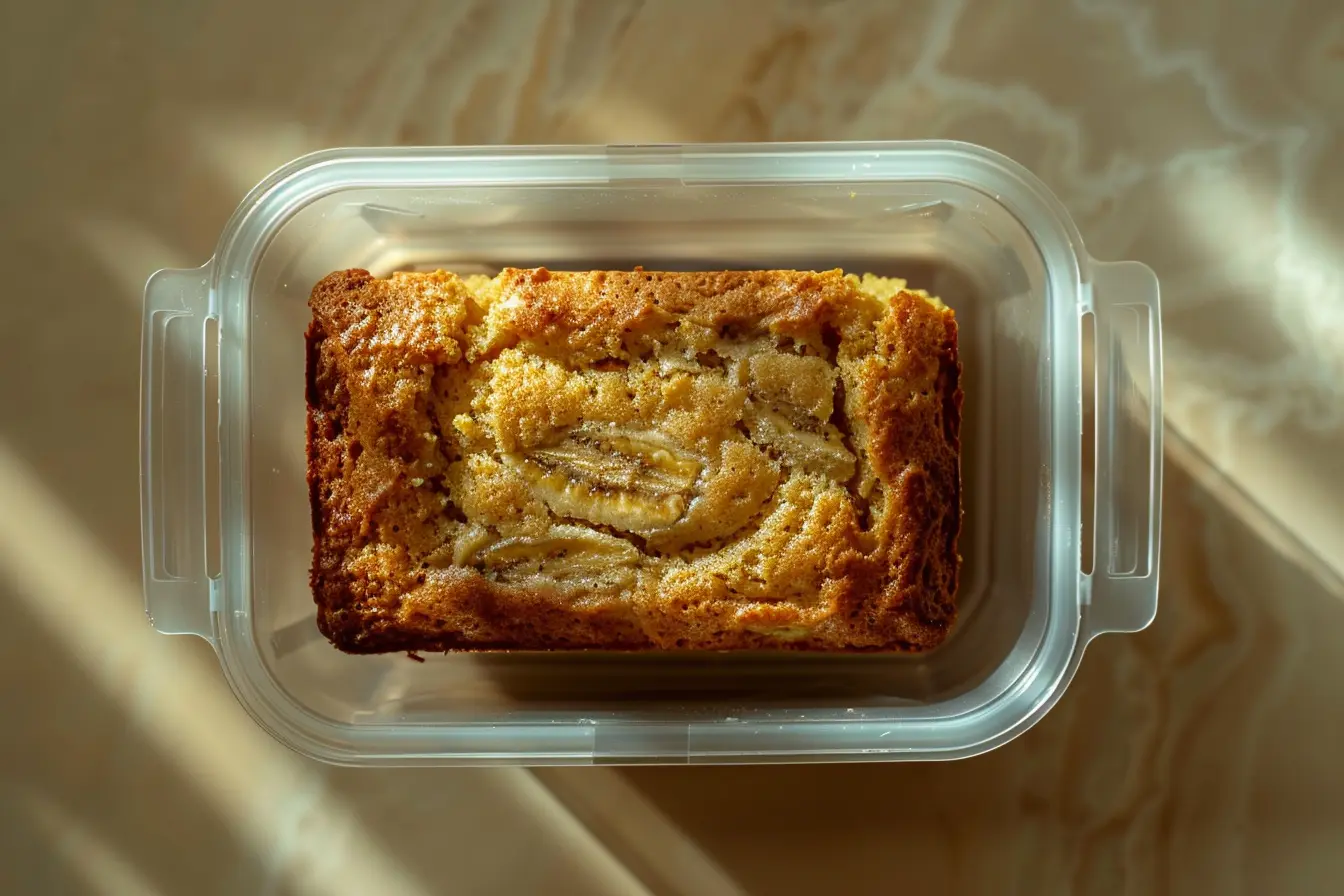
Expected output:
(1123, 583)
(172, 452)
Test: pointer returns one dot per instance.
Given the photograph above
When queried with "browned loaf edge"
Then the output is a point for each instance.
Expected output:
(393, 365)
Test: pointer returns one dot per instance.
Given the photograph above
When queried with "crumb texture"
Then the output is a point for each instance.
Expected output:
(632, 459)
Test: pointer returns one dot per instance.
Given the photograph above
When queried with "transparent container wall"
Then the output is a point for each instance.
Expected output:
(950, 239)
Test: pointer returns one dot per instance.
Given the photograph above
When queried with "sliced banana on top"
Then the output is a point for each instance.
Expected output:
(632, 481)
(565, 555)
(819, 449)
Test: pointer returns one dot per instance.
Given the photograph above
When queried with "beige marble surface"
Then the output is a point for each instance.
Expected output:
(1203, 138)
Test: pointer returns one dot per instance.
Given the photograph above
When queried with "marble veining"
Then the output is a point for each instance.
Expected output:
(1202, 138)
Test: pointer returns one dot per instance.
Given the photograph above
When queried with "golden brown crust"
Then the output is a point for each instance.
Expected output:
(631, 459)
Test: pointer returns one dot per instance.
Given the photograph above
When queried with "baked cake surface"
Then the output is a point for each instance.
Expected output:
(632, 459)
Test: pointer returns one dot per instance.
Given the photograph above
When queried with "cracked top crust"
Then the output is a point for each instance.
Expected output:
(632, 459)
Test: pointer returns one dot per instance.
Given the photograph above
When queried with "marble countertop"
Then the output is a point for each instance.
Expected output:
(1201, 138)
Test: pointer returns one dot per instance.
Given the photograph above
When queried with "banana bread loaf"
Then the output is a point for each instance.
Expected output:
(632, 459)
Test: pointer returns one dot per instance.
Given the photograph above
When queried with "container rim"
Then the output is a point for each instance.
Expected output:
(287, 189)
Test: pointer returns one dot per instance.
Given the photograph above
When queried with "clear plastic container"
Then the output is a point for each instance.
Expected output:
(227, 534)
